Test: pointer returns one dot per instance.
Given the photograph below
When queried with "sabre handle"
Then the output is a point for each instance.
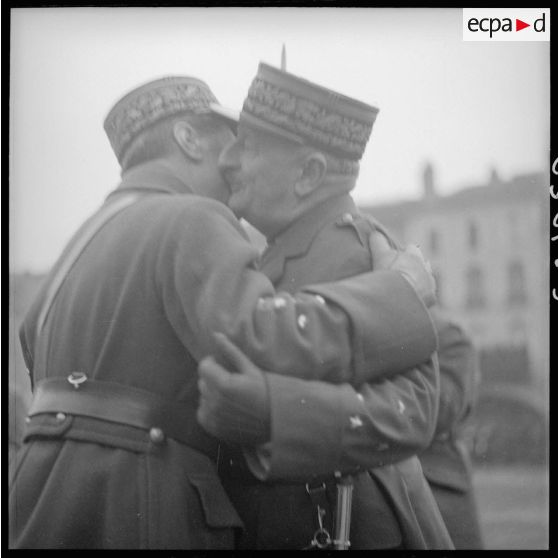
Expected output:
(343, 512)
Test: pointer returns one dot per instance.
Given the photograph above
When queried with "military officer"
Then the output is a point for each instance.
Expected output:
(112, 454)
(446, 462)
(290, 169)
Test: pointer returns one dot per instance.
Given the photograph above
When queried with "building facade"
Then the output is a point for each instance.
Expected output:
(489, 249)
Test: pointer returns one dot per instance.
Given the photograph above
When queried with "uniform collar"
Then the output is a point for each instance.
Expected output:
(295, 241)
(157, 176)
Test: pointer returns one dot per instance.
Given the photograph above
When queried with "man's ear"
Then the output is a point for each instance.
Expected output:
(313, 171)
(188, 140)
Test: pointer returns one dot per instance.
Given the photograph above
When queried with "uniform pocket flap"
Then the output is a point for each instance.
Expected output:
(450, 481)
(218, 509)
(447, 470)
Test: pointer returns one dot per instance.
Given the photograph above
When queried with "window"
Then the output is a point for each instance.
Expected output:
(513, 226)
(473, 235)
(516, 283)
(475, 288)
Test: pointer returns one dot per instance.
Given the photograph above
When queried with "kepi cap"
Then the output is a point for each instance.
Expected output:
(153, 101)
(302, 111)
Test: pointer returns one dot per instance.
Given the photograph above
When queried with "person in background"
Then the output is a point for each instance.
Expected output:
(446, 462)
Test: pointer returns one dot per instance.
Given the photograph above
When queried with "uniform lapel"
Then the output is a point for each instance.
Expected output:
(295, 241)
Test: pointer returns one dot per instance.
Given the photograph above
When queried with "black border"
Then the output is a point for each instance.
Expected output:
(5, 13)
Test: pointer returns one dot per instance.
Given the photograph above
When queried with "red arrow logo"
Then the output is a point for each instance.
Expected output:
(519, 25)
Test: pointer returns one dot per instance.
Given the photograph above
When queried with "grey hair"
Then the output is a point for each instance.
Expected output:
(158, 141)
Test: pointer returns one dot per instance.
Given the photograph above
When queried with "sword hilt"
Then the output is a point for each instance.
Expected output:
(343, 512)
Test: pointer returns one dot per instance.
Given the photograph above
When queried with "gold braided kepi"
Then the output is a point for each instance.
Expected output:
(153, 101)
(302, 111)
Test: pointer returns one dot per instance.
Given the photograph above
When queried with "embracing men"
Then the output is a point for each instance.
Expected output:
(113, 456)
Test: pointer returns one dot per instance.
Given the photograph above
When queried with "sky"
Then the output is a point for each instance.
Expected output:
(466, 107)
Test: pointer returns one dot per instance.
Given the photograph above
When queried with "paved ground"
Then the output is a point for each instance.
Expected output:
(513, 507)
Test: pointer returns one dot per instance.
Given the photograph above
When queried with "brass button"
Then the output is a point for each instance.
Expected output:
(77, 378)
(356, 421)
(347, 218)
(27, 420)
(156, 435)
(60, 417)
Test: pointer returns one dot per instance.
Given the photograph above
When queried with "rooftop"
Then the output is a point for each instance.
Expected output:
(521, 188)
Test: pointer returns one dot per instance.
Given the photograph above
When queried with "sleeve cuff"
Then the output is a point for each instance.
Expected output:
(392, 328)
(307, 428)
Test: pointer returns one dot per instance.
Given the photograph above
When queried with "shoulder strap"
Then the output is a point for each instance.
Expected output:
(376, 225)
(107, 212)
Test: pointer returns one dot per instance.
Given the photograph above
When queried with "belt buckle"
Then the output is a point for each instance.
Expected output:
(77, 378)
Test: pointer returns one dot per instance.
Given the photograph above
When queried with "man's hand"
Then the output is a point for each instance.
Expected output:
(409, 262)
(234, 402)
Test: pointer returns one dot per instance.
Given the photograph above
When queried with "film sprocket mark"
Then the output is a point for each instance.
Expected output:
(554, 196)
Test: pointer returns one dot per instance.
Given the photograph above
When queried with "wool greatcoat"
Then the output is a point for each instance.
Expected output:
(446, 462)
(318, 428)
(138, 309)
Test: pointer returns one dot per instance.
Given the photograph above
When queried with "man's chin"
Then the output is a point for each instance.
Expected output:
(236, 204)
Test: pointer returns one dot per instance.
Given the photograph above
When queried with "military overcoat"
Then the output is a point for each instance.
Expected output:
(318, 427)
(138, 309)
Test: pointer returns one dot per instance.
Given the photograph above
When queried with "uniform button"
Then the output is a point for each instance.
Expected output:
(360, 397)
(60, 417)
(77, 378)
(347, 218)
(356, 421)
(320, 299)
(401, 406)
(157, 435)
(27, 420)
(302, 321)
(279, 302)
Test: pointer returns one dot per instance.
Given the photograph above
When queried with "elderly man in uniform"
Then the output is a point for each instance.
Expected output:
(446, 462)
(112, 454)
(290, 170)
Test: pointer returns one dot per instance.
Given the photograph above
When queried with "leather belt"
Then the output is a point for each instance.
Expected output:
(112, 402)
(232, 467)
